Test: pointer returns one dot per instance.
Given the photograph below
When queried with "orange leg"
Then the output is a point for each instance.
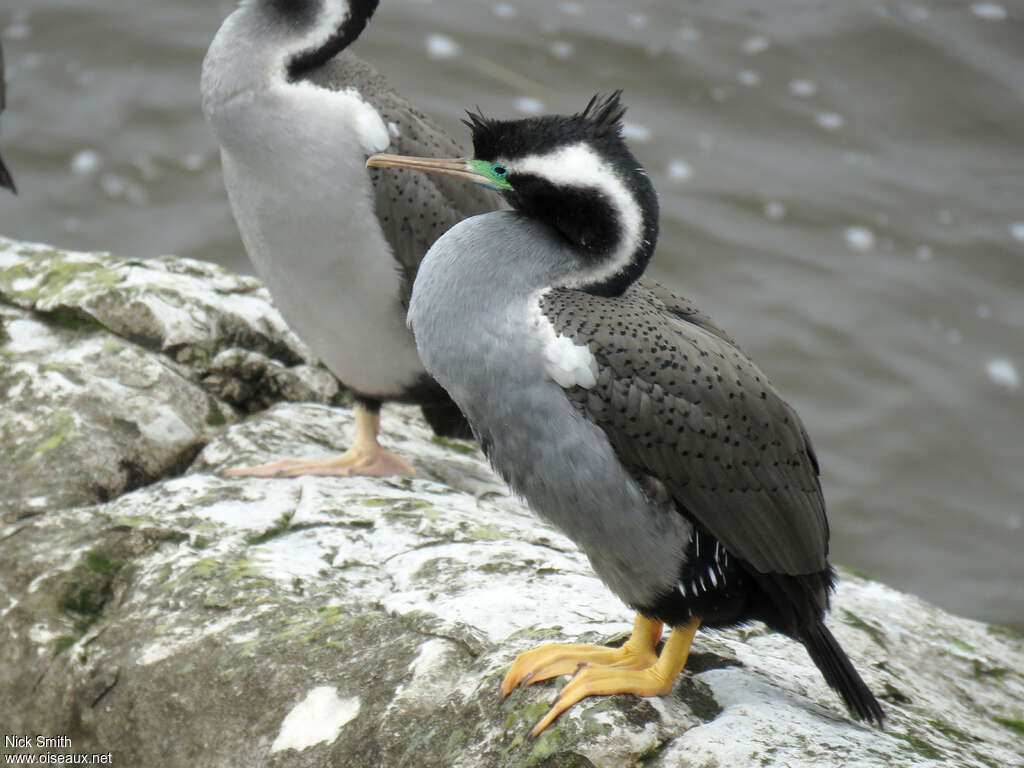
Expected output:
(556, 659)
(604, 680)
(365, 457)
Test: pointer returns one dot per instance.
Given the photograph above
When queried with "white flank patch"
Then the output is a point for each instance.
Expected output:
(578, 165)
(367, 123)
(567, 363)
(317, 718)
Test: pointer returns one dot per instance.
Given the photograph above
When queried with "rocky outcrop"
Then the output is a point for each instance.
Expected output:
(115, 373)
(174, 618)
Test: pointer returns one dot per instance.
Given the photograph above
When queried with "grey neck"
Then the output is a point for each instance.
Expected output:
(480, 334)
(488, 260)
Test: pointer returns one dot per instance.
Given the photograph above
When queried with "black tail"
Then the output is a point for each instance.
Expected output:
(446, 419)
(839, 673)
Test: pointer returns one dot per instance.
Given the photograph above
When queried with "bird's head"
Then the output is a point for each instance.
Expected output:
(573, 173)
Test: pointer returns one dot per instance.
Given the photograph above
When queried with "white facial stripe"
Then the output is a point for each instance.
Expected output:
(328, 21)
(579, 165)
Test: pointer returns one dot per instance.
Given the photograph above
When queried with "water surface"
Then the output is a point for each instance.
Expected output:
(842, 187)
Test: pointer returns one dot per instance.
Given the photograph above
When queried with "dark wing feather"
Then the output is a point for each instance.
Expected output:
(413, 209)
(680, 402)
(683, 308)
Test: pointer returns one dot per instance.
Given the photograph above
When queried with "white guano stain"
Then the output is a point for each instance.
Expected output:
(317, 718)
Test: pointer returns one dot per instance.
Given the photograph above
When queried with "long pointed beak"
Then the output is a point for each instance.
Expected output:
(458, 167)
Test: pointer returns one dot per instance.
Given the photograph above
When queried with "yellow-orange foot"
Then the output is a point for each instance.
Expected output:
(366, 457)
(556, 659)
(380, 463)
(600, 680)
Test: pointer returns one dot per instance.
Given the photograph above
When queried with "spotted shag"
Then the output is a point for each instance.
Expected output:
(622, 414)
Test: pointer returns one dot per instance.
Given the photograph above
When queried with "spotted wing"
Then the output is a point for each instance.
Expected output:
(680, 402)
(683, 308)
(413, 209)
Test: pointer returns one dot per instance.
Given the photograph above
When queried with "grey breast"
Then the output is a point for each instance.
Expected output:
(413, 209)
(680, 402)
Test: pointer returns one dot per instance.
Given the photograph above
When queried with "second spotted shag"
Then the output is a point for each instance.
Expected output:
(296, 114)
(619, 411)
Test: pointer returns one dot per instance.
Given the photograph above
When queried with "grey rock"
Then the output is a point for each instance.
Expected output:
(361, 622)
(114, 373)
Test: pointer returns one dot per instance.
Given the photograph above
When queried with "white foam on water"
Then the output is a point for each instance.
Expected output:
(749, 77)
(530, 105)
(85, 163)
(989, 11)
(1003, 372)
(441, 47)
(635, 131)
(803, 88)
(689, 34)
(679, 170)
(754, 45)
(831, 121)
(17, 31)
(560, 49)
(859, 238)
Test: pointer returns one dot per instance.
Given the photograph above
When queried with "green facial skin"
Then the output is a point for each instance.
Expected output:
(495, 174)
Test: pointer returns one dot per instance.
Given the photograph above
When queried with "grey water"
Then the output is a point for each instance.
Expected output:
(842, 188)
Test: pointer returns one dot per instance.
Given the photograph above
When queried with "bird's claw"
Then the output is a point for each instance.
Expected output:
(601, 680)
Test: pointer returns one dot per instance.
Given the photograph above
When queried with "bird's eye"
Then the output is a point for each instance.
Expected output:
(499, 170)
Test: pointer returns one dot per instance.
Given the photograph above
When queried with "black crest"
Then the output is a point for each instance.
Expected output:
(605, 113)
(600, 122)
